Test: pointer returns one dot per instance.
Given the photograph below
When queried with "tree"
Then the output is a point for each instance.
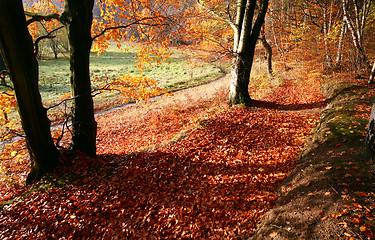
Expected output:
(249, 20)
(355, 16)
(17, 50)
(77, 18)
(370, 135)
(2, 64)
(243, 20)
(268, 48)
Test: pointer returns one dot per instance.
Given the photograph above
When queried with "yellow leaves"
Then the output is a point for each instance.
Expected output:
(7, 105)
(131, 87)
(151, 53)
(12, 153)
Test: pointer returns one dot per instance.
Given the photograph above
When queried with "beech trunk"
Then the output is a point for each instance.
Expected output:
(17, 50)
(249, 20)
(77, 18)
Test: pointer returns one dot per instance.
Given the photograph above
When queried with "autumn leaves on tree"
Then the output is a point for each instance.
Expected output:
(77, 18)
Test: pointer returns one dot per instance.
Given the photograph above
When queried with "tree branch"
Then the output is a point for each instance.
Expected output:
(233, 26)
(136, 22)
(36, 47)
(35, 17)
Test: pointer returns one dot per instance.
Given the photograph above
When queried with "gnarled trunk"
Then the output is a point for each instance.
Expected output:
(17, 49)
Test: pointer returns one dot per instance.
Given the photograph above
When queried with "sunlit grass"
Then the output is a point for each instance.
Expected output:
(177, 74)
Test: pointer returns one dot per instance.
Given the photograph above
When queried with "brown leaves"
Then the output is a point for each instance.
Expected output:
(214, 182)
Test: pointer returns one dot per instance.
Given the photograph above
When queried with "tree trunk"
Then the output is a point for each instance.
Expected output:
(17, 51)
(2, 64)
(77, 18)
(268, 48)
(54, 48)
(370, 135)
(340, 44)
(245, 38)
(356, 26)
(325, 34)
(372, 75)
(240, 76)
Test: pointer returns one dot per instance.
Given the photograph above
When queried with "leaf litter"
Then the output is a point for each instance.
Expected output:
(214, 181)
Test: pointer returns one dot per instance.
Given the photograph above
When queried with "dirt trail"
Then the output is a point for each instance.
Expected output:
(328, 194)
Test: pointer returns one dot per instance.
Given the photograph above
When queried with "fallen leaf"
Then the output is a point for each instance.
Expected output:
(274, 234)
(356, 220)
(357, 205)
(363, 228)
(344, 224)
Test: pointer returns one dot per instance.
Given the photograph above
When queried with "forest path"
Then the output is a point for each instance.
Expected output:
(181, 166)
(184, 108)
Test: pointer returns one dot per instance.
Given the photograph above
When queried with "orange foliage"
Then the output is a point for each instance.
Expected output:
(131, 87)
(216, 182)
(40, 28)
(12, 151)
(209, 28)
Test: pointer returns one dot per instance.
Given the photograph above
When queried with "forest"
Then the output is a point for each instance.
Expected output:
(197, 119)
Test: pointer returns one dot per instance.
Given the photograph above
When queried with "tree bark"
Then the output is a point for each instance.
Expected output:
(17, 50)
(372, 75)
(268, 48)
(356, 26)
(2, 64)
(325, 34)
(340, 44)
(245, 39)
(77, 18)
(370, 135)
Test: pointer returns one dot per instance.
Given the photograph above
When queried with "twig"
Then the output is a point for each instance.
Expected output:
(136, 22)
(36, 51)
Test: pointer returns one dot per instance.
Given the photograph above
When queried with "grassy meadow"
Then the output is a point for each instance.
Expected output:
(179, 73)
(54, 73)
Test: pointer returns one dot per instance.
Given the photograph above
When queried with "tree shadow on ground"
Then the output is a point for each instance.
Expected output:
(167, 195)
(290, 107)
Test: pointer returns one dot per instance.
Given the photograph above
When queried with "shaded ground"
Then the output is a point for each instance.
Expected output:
(330, 194)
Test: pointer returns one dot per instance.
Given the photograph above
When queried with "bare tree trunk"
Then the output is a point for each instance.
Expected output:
(268, 48)
(77, 18)
(275, 40)
(2, 64)
(370, 135)
(372, 75)
(356, 25)
(54, 48)
(17, 49)
(325, 34)
(341, 39)
(245, 38)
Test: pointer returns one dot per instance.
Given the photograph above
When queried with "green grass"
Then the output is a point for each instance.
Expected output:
(54, 73)
(347, 117)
